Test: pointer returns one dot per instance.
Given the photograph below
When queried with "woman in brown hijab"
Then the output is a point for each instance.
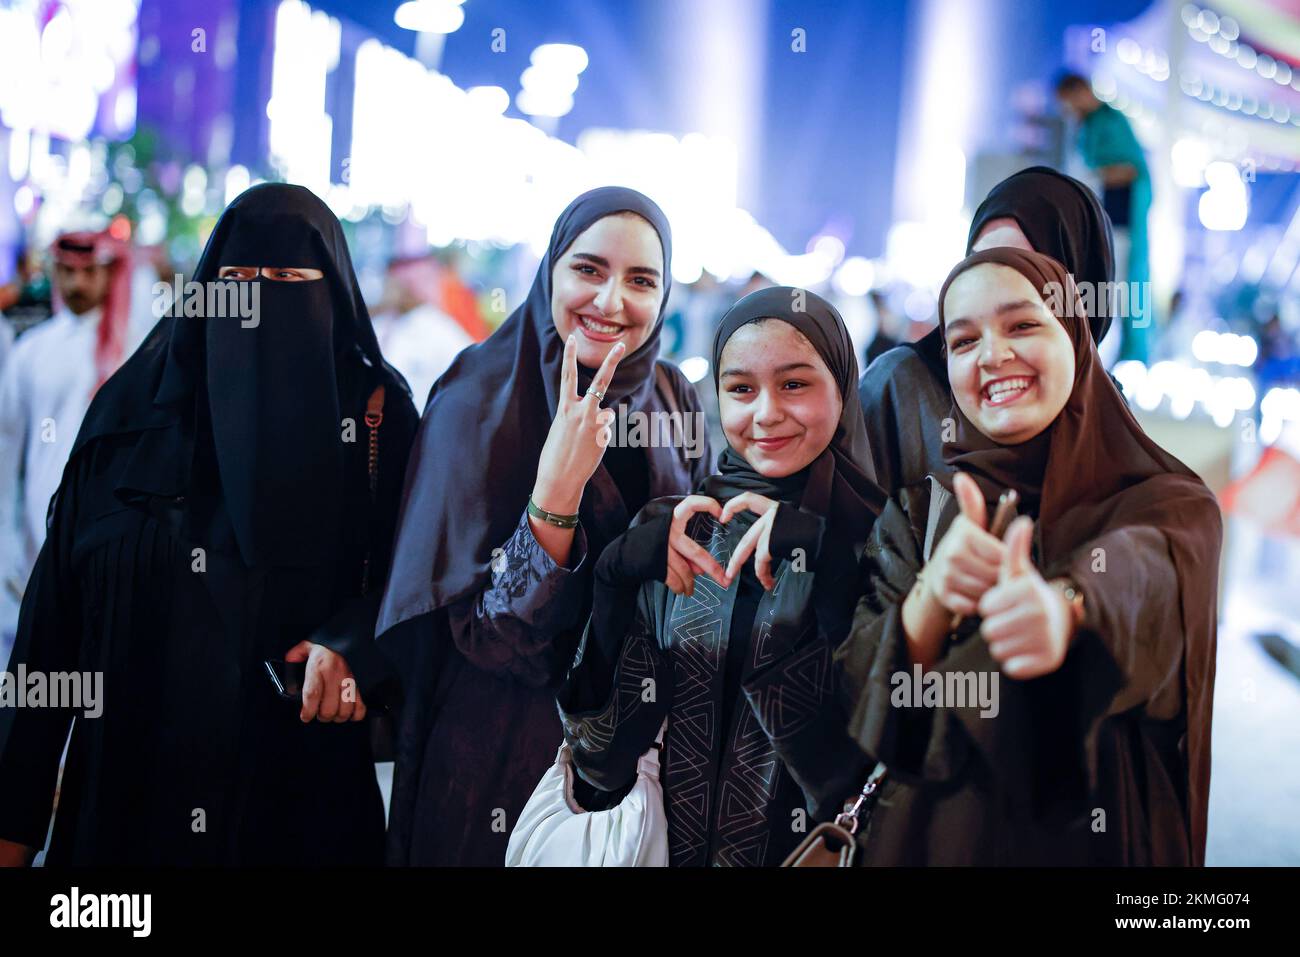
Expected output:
(1067, 719)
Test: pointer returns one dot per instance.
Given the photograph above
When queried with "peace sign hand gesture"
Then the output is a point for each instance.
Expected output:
(580, 432)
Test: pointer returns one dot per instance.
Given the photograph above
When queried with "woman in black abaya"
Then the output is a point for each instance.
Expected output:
(1090, 629)
(738, 652)
(1037, 209)
(220, 510)
(510, 497)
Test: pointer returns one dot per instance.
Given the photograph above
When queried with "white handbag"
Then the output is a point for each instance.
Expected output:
(553, 831)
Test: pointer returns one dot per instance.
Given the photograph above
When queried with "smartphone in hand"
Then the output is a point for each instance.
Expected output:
(287, 676)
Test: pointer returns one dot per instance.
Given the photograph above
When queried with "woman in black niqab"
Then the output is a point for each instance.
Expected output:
(219, 508)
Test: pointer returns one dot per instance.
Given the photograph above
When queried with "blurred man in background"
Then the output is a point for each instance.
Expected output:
(417, 337)
(45, 387)
(1108, 145)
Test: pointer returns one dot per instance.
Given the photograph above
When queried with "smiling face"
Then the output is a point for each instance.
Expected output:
(1010, 361)
(778, 401)
(608, 286)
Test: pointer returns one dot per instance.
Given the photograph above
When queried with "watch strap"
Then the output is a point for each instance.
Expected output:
(551, 518)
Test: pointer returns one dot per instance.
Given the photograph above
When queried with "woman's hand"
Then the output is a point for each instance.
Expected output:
(757, 541)
(579, 434)
(329, 692)
(967, 561)
(686, 557)
(1027, 622)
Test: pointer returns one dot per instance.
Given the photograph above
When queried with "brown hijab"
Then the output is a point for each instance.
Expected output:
(1094, 470)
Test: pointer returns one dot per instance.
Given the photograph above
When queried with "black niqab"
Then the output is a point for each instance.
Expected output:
(272, 387)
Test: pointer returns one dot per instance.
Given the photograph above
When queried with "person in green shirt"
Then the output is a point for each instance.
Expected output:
(1108, 145)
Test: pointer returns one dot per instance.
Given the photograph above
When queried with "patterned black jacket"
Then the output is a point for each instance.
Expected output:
(742, 785)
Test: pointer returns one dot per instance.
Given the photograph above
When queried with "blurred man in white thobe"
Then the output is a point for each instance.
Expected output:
(46, 384)
(415, 336)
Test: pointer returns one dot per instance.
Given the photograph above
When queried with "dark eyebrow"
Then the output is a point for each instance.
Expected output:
(1001, 309)
(603, 263)
(1006, 307)
(788, 367)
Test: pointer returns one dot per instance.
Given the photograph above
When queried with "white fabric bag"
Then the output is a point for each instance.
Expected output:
(553, 831)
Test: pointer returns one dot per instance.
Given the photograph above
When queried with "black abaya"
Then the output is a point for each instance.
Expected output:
(480, 619)
(167, 570)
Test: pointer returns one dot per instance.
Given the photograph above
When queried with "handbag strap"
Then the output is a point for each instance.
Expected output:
(649, 762)
(851, 816)
(373, 419)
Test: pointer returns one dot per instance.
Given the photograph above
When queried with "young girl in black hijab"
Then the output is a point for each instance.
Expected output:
(1036, 209)
(229, 501)
(510, 489)
(737, 654)
(1090, 628)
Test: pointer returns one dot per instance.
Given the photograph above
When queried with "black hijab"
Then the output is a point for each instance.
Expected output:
(267, 392)
(837, 485)
(487, 417)
(1061, 218)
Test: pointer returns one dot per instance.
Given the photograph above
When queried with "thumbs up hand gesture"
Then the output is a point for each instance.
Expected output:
(1027, 622)
(967, 560)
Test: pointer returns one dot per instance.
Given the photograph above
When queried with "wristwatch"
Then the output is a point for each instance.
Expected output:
(1074, 596)
(551, 518)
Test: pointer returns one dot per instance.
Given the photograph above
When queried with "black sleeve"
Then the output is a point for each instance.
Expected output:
(795, 533)
(875, 391)
(1030, 737)
(614, 700)
(914, 742)
(350, 632)
(637, 556)
(49, 629)
(905, 384)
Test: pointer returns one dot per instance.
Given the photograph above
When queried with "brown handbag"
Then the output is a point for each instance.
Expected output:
(834, 843)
